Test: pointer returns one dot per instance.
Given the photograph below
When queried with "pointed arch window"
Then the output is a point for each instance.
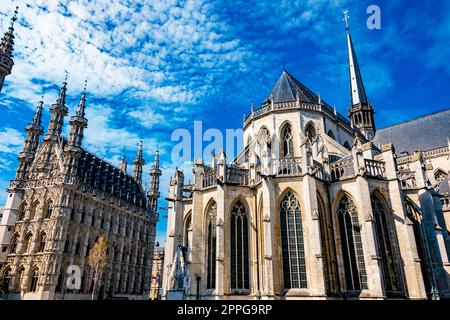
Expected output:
(352, 250)
(42, 242)
(385, 244)
(21, 213)
(27, 243)
(187, 230)
(7, 278)
(287, 142)
(310, 131)
(294, 266)
(239, 247)
(14, 243)
(34, 280)
(211, 246)
(19, 279)
(48, 210)
(34, 210)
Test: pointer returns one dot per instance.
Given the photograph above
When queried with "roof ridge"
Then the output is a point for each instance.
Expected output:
(416, 118)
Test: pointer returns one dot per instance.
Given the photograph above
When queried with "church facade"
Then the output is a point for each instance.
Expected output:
(61, 200)
(316, 206)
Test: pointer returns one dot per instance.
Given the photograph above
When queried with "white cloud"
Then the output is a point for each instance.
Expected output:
(11, 141)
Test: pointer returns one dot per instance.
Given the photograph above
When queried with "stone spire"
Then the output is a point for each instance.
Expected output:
(34, 131)
(153, 192)
(123, 161)
(361, 112)
(58, 111)
(78, 123)
(138, 163)
(6, 50)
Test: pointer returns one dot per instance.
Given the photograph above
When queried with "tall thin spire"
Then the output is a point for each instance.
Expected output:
(138, 163)
(358, 93)
(6, 50)
(58, 111)
(78, 122)
(361, 112)
(153, 192)
(34, 131)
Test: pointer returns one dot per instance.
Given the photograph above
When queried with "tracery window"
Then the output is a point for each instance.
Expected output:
(27, 243)
(48, 210)
(21, 213)
(287, 142)
(187, 228)
(42, 242)
(211, 246)
(310, 131)
(239, 247)
(33, 210)
(19, 279)
(385, 247)
(294, 266)
(352, 250)
(34, 280)
(7, 277)
(14, 243)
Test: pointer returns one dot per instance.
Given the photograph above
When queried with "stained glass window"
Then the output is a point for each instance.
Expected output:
(287, 142)
(211, 245)
(385, 248)
(294, 266)
(352, 250)
(239, 247)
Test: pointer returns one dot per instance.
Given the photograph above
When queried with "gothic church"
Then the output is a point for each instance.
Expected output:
(316, 206)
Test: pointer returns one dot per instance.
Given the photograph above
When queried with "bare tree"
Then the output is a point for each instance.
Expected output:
(98, 259)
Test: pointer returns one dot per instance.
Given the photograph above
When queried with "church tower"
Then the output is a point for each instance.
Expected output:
(34, 131)
(361, 111)
(6, 49)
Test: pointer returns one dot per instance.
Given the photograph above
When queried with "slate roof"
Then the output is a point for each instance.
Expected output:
(101, 175)
(423, 133)
(287, 88)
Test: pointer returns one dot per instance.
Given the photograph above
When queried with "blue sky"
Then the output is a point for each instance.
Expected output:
(155, 66)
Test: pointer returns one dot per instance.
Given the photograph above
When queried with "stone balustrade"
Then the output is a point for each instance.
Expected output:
(342, 169)
(209, 179)
(375, 169)
(288, 167)
(237, 176)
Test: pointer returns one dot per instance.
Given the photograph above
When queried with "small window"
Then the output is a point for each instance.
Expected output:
(310, 131)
